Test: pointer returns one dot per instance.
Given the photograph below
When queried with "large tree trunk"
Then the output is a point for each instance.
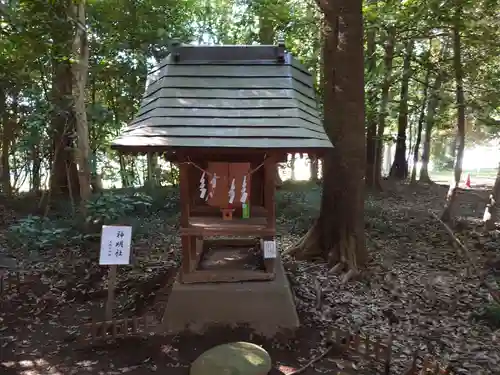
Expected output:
(399, 168)
(384, 99)
(448, 212)
(371, 178)
(64, 174)
(491, 211)
(421, 118)
(338, 234)
(79, 74)
(266, 36)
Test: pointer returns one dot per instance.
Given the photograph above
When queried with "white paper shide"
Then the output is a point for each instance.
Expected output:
(115, 245)
(203, 189)
(244, 194)
(232, 192)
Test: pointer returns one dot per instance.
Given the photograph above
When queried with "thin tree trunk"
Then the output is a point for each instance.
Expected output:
(421, 119)
(339, 231)
(152, 162)
(430, 118)
(313, 168)
(6, 122)
(399, 168)
(384, 100)
(448, 213)
(36, 178)
(371, 178)
(123, 171)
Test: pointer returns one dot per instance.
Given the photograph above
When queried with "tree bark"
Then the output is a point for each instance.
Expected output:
(125, 174)
(64, 174)
(371, 178)
(421, 118)
(338, 234)
(6, 123)
(36, 178)
(313, 168)
(266, 36)
(384, 99)
(432, 107)
(293, 177)
(448, 213)
(152, 163)
(399, 168)
(491, 211)
(79, 73)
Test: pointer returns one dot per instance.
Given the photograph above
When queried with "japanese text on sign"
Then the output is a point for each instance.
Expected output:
(115, 245)
(269, 249)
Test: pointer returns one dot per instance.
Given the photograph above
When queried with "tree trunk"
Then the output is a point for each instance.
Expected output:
(421, 119)
(399, 168)
(266, 27)
(7, 128)
(338, 234)
(124, 173)
(152, 162)
(266, 36)
(293, 177)
(79, 74)
(313, 168)
(448, 213)
(384, 100)
(371, 178)
(491, 211)
(64, 174)
(430, 118)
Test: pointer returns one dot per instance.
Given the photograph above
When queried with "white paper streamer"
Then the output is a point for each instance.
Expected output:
(244, 194)
(232, 193)
(203, 189)
(213, 184)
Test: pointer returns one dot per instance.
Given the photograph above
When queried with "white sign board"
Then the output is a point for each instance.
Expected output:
(269, 249)
(115, 245)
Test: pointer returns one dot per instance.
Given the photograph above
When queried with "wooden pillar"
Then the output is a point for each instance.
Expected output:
(269, 204)
(185, 199)
(269, 190)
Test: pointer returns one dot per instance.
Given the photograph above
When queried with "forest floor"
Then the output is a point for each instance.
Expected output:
(414, 273)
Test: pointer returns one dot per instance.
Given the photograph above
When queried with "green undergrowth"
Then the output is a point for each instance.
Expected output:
(490, 315)
(146, 210)
(142, 210)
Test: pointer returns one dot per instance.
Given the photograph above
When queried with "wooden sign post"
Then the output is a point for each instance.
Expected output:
(115, 250)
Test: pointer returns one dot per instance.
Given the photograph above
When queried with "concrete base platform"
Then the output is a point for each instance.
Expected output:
(265, 306)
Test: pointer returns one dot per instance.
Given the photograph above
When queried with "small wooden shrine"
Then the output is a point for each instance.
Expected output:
(227, 115)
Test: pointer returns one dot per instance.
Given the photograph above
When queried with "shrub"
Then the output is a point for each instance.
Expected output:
(40, 233)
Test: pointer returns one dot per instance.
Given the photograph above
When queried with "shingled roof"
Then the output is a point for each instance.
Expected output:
(227, 96)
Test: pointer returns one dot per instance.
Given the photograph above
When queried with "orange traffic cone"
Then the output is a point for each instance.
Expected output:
(467, 182)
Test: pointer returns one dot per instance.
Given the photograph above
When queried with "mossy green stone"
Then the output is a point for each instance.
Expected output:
(237, 358)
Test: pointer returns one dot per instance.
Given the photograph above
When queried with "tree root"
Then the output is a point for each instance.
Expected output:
(350, 272)
(310, 247)
(495, 294)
